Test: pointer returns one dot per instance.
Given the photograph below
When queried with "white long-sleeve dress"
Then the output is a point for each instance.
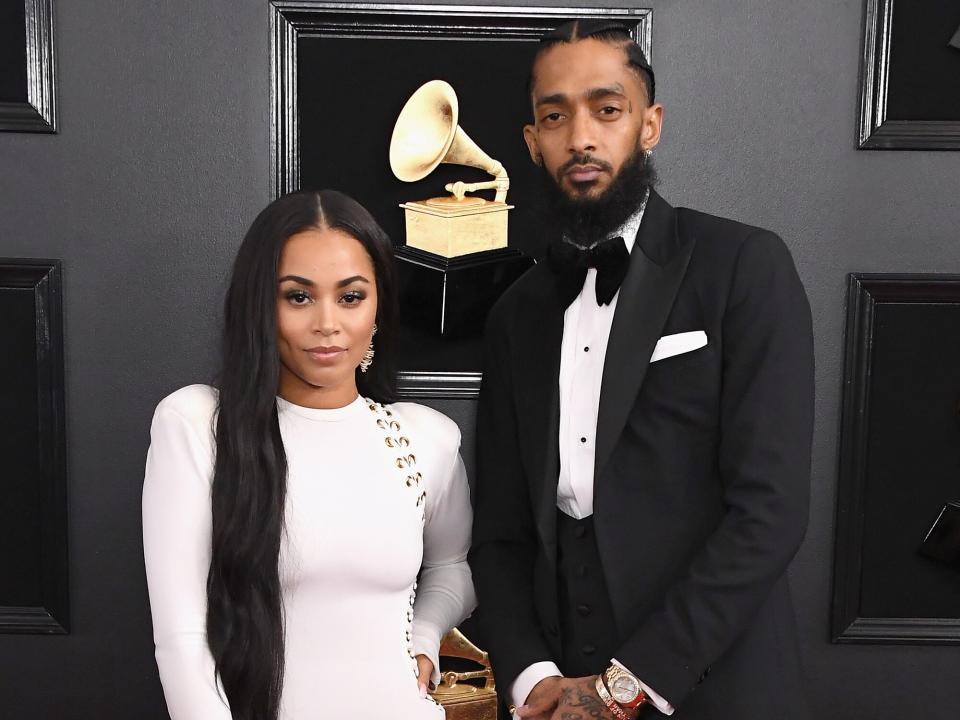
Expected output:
(375, 496)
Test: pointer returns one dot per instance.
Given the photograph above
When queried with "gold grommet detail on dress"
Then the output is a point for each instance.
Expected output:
(412, 480)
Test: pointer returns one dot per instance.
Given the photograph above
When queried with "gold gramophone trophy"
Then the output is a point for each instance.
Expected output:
(461, 699)
(456, 261)
(427, 134)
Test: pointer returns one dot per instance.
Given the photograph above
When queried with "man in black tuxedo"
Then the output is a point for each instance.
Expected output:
(644, 428)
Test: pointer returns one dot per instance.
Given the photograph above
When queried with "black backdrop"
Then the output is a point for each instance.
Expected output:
(913, 460)
(352, 90)
(924, 69)
(20, 479)
(13, 52)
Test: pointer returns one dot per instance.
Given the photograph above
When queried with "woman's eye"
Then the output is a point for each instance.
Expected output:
(352, 298)
(298, 297)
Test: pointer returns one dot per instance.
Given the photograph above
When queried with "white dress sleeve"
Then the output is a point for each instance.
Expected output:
(176, 545)
(445, 593)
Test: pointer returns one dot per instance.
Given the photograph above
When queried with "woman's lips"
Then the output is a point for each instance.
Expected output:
(326, 355)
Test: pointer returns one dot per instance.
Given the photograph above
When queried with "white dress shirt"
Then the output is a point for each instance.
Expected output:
(586, 330)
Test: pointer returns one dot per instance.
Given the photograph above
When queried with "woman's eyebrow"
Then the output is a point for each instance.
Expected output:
(297, 279)
(353, 279)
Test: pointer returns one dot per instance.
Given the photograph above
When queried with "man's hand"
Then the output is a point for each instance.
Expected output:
(424, 673)
(542, 700)
(565, 699)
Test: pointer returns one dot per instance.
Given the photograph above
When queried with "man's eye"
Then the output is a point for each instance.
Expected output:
(609, 110)
(552, 117)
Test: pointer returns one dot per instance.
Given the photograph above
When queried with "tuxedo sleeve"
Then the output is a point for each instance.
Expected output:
(765, 431)
(504, 535)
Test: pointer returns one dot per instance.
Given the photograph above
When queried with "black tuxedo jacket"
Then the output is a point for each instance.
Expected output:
(702, 471)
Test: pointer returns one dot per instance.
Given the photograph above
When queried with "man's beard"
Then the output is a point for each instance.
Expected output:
(586, 220)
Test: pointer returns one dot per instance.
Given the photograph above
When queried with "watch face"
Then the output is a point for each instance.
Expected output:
(625, 689)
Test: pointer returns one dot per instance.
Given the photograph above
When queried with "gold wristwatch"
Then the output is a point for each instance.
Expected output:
(624, 687)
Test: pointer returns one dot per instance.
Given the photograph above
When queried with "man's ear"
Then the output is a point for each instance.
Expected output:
(533, 147)
(652, 125)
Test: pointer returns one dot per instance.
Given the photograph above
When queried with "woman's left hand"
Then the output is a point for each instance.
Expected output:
(425, 668)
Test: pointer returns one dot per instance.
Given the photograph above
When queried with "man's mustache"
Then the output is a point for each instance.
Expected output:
(585, 159)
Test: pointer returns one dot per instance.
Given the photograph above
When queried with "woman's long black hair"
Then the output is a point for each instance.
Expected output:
(244, 608)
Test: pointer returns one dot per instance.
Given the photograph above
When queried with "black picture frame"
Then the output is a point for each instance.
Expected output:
(899, 460)
(34, 583)
(295, 24)
(28, 72)
(903, 68)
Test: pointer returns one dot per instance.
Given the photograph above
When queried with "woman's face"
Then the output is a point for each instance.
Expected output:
(326, 309)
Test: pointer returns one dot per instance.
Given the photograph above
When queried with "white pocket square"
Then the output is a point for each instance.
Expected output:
(670, 345)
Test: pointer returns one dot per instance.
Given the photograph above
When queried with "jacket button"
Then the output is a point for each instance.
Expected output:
(553, 630)
(582, 571)
(580, 531)
(588, 649)
(584, 610)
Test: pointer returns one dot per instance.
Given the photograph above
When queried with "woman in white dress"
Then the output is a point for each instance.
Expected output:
(305, 543)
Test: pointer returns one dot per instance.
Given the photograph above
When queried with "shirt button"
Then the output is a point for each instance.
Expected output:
(584, 610)
(583, 439)
(587, 349)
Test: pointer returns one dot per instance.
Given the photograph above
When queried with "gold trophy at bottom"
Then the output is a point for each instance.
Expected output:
(460, 699)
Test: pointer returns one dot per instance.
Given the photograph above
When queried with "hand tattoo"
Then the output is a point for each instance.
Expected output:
(579, 701)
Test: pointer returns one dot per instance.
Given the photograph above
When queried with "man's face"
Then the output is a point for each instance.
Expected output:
(590, 116)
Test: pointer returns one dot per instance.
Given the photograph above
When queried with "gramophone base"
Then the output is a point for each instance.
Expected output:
(450, 297)
(454, 228)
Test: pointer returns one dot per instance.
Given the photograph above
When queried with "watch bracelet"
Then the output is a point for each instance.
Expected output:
(612, 705)
(610, 675)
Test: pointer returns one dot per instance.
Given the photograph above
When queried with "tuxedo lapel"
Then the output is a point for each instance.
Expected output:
(538, 402)
(657, 266)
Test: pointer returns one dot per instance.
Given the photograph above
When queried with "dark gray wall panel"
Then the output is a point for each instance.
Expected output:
(162, 160)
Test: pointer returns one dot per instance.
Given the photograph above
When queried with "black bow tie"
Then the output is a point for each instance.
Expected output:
(570, 262)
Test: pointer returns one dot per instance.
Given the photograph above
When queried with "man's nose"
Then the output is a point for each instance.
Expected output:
(582, 133)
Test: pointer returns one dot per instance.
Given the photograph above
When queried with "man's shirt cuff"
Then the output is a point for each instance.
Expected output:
(656, 700)
(529, 678)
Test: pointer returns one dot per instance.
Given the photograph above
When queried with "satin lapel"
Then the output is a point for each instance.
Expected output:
(645, 300)
(538, 402)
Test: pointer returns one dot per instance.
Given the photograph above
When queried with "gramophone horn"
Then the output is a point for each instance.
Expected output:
(426, 134)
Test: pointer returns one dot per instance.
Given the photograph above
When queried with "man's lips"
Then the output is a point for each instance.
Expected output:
(584, 173)
(326, 353)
